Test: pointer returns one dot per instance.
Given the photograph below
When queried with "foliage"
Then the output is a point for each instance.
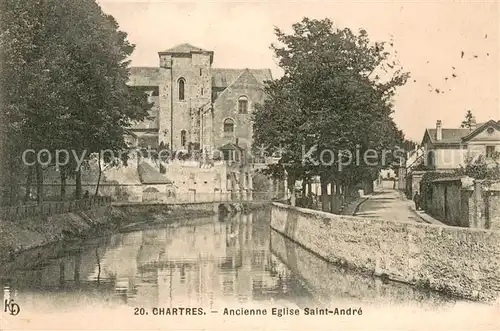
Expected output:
(336, 94)
(468, 122)
(65, 84)
(481, 168)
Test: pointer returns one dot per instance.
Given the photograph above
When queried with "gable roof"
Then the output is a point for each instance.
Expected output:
(459, 135)
(449, 136)
(479, 129)
(222, 77)
(149, 175)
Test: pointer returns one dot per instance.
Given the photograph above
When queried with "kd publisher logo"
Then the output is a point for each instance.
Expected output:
(11, 307)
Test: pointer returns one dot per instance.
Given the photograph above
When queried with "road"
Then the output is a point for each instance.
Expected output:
(388, 204)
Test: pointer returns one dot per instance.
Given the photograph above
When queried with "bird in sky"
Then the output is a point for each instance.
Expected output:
(454, 75)
(462, 56)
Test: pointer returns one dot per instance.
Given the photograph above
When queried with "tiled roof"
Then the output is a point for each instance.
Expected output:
(184, 48)
(449, 135)
(222, 78)
(149, 175)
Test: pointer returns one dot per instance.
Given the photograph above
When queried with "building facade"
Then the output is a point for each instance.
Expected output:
(448, 149)
(195, 104)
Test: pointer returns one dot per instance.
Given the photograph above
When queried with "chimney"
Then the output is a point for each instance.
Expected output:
(237, 140)
(439, 130)
(473, 123)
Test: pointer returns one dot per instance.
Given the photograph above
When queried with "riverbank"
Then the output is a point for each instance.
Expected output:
(35, 232)
(461, 262)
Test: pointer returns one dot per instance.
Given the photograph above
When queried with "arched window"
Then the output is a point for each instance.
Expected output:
(182, 84)
(183, 138)
(243, 105)
(228, 126)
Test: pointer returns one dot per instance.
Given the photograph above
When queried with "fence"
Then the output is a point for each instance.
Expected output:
(51, 208)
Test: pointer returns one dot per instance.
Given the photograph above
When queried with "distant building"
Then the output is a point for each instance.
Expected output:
(448, 149)
(195, 103)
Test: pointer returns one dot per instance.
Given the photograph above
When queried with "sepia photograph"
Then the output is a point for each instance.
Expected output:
(249, 165)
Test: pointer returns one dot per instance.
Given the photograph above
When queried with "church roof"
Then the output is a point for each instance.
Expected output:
(145, 76)
(222, 77)
(185, 48)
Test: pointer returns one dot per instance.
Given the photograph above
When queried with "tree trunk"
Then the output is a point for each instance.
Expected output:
(29, 180)
(324, 193)
(39, 182)
(333, 198)
(338, 194)
(291, 187)
(63, 183)
(309, 197)
(78, 188)
(99, 177)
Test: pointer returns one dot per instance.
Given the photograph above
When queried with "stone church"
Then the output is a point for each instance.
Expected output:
(209, 108)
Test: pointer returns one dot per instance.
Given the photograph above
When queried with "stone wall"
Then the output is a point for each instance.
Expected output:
(465, 202)
(483, 201)
(445, 202)
(459, 261)
(329, 282)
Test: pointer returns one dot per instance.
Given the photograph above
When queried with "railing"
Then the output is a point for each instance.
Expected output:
(193, 197)
(52, 208)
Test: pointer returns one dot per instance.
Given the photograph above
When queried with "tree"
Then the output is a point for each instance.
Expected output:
(335, 96)
(66, 83)
(469, 120)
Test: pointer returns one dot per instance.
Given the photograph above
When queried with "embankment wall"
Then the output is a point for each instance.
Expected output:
(459, 261)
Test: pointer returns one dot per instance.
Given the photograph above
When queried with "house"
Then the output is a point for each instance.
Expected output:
(448, 149)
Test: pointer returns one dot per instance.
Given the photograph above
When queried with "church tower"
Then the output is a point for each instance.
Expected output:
(185, 94)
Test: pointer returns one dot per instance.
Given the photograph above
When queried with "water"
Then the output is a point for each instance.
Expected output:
(202, 263)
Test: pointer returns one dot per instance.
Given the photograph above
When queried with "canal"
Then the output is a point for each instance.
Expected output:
(205, 263)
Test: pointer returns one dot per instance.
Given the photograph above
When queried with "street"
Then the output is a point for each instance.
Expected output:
(388, 204)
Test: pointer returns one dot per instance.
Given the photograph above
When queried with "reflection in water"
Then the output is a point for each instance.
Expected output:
(205, 265)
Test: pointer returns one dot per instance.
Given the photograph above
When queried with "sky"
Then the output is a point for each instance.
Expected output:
(429, 37)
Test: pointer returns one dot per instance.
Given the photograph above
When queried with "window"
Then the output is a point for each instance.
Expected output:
(243, 105)
(228, 126)
(200, 71)
(490, 151)
(431, 161)
(181, 88)
(202, 91)
(183, 138)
